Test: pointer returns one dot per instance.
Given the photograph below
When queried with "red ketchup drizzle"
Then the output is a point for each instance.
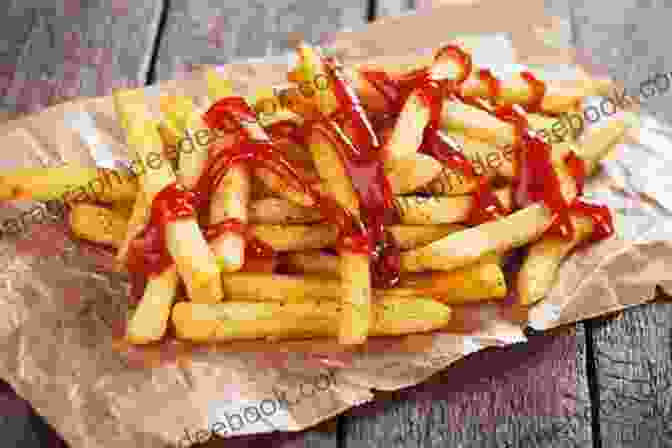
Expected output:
(147, 254)
(537, 181)
(436, 144)
(361, 157)
(538, 91)
(494, 84)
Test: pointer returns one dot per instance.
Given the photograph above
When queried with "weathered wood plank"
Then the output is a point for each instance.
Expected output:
(528, 395)
(322, 436)
(625, 38)
(70, 48)
(634, 376)
(215, 32)
(66, 49)
(387, 8)
(633, 353)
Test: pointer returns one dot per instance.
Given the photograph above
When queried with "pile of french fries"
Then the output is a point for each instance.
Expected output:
(445, 262)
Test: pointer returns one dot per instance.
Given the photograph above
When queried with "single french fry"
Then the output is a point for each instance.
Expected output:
(67, 184)
(97, 224)
(476, 123)
(230, 200)
(408, 131)
(228, 321)
(409, 237)
(296, 237)
(356, 318)
(184, 120)
(150, 319)
(282, 187)
(477, 282)
(139, 218)
(597, 142)
(424, 210)
(195, 261)
(465, 247)
(329, 166)
(231, 197)
(412, 172)
(281, 211)
(539, 270)
(313, 262)
(486, 158)
(252, 286)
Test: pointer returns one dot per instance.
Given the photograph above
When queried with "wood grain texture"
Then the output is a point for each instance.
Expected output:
(626, 39)
(527, 395)
(391, 8)
(216, 32)
(633, 354)
(73, 47)
(322, 436)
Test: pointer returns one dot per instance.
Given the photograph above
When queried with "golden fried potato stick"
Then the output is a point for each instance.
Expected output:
(476, 123)
(597, 143)
(410, 173)
(281, 211)
(296, 237)
(231, 198)
(137, 222)
(425, 210)
(67, 184)
(482, 280)
(185, 242)
(465, 247)
(252, 286)
(477, 282)
(408, 131)
(410, 237)
(313, 262)
(229, 321)
(150, 319)
(97, 224)
(539, 270)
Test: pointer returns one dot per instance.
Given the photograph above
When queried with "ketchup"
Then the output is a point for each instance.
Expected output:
(148, 253)
(535, 180)
(362, 160)
(351, 132)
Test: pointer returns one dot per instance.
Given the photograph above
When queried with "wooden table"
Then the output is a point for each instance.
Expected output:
(601, 383)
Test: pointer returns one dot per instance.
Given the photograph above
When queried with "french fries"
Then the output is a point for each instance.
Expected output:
(299, 260)
(184, 240)
(229, 321)
(466, 247)
(67, 184)
(543, 259)
(97, 224)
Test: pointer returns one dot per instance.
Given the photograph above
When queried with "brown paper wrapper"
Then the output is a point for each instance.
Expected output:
(60, 299)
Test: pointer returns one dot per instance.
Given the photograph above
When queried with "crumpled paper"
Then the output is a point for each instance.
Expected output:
(61, 300)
